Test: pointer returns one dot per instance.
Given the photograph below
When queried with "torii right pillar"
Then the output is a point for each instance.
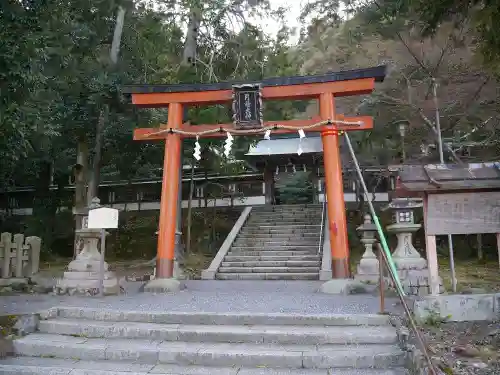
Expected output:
(337, 225)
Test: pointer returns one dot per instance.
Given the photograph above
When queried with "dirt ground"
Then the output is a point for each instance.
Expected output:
(465, 347)
(194, 264)
(472, 274)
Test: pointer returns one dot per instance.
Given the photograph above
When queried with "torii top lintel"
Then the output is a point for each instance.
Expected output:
(345, 83)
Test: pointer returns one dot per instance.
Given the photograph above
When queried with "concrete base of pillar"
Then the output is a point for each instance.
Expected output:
(344, 287)
(164, 286)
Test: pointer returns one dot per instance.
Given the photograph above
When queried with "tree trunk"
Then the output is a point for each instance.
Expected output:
(96, 159)
(190, 210)
(480, 254)
(191, 43)
(104, 113)
(80, 175)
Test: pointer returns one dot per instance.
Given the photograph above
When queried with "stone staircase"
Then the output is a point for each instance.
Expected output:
(276, 243)
(93, 341)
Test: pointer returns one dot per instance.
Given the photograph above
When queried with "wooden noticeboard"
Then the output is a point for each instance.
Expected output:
(463, 213)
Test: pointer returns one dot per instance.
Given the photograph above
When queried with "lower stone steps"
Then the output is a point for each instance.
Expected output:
(268, 276)
(304, 335)
(55, 366)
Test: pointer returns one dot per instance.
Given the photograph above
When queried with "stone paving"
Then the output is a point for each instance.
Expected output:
(214, 296)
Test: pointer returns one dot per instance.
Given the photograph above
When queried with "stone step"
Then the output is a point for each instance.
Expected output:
(298, 235)
(262, 263)
(263, 222)
(259, 334)
(281, 226)
(285, 217)
(56, 366)
(229, 318)
(278, 228)
(278, 247)
(260, 235)
(288, 208)
(280, 232)
(269, 243)
(284, 239)
(271, 253)
(304, 250)
(210, 354)
(249, 269)
(271, 258)
(268, 276)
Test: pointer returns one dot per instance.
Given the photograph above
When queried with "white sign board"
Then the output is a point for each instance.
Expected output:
(103, 218)
(463, 213)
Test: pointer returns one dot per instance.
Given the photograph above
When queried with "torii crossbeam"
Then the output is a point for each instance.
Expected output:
(247, 114)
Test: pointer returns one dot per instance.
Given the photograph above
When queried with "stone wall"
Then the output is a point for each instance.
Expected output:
(458, 307)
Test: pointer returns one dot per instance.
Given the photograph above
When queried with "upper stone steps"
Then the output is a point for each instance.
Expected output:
(272, 243)
(276, 247)
(288, 253)
(258, 235)
(235, 257)
(271, 263)
(287, 222)
(272, 269)
(294, 216)
(280, 226)
(270, 229)
(270, 275)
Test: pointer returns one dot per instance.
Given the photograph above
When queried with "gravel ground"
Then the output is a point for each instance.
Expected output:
(471, 348)
(214, 296)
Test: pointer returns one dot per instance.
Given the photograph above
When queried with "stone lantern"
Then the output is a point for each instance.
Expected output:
(411, 267)
(368, 267)
(403, 226)
(82, 276)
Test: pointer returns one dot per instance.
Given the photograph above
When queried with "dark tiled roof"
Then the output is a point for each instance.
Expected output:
(436, 177)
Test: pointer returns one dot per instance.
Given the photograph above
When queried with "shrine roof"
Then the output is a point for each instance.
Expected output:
(377, 72)
(442, 177)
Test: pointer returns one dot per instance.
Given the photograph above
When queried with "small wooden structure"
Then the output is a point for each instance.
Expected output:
(458, 199)
(246, 98)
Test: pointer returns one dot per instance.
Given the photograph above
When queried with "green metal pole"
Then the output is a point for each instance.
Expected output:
(383, 242)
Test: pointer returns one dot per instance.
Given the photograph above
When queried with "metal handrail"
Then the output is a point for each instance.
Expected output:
(384, 254)
(383, 257)
(321, 233)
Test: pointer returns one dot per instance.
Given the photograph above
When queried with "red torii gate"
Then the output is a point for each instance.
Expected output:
(247, 114)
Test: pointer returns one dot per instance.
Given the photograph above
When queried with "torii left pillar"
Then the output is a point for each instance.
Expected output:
(165, 258)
